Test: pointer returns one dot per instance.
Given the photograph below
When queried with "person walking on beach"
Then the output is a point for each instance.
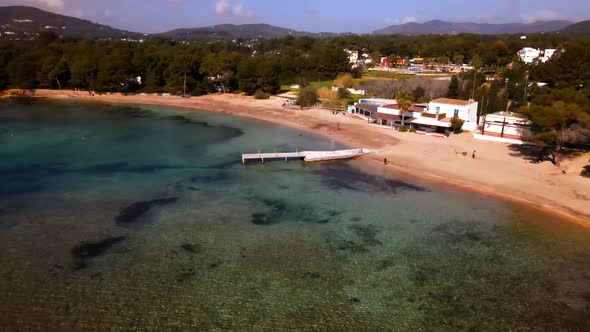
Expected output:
(385, 161)
(473, 155)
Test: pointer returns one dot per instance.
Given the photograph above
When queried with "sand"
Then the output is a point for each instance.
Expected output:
(497, 170)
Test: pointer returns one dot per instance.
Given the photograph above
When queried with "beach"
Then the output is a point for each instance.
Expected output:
(497, 170)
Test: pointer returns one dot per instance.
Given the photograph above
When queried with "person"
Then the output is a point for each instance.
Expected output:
(473, 155)
(385, 161)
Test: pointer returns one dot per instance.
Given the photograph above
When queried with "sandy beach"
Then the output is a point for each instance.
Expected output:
(496, 171)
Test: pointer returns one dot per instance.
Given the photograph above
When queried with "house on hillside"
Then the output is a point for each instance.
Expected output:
(353, 56)
(529, 55)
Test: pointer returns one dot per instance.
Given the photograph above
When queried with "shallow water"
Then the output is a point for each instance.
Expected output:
(118, 218)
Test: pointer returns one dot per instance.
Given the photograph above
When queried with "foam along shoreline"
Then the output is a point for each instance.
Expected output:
(498, 170)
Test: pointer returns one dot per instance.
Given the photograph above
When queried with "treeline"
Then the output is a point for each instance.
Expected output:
(493, 51)
(51, 62)
(163, 65)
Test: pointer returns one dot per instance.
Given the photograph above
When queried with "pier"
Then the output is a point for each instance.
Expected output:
(307, 156)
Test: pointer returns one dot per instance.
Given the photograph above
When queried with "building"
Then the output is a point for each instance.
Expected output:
(530, 55)
(505, 125)
(391, 115)
(440, 112)
(369, 106)
(353, 56)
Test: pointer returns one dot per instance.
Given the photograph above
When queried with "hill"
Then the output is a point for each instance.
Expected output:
(21, 22)
(448, 28)
(231, 31)
(580, 28)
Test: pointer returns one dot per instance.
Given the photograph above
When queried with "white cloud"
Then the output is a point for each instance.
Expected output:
(224, 7)
(403, 20)
(51, 3)
(541, 15)
(408, 19)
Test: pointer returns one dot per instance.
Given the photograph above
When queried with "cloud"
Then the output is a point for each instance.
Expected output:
(403, 20)
(51, 3)
(225, 8)
(541, 15)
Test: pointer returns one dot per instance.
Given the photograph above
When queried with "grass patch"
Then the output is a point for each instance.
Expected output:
(387, 74)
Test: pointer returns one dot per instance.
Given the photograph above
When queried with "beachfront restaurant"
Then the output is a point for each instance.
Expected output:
(431, 123)
(369, 106)
(386, 119)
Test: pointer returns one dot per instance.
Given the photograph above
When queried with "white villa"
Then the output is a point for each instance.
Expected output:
(530, 55)
(434, 116)
(353, 56)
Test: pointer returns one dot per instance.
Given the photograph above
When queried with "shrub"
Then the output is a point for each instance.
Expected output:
(343, 81)
(343, 93)
(307, 97)
(457, 125)
(261, 94)
(412, 130)
(403, 129)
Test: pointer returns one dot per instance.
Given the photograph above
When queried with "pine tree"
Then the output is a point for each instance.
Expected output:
(453, 88)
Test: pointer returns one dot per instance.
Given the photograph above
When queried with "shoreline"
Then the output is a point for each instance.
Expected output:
(421, 157)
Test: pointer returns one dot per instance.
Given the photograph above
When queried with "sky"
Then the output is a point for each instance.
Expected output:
(149, 16)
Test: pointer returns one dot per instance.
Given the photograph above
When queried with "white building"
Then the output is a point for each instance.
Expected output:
(507, 125)
(530, 55)
(442, 110)
(353, 56)
(434, 116)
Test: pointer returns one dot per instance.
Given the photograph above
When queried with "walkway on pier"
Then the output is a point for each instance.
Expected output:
(308, 156)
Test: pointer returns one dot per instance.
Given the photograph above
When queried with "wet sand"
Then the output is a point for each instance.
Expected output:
(497, 170)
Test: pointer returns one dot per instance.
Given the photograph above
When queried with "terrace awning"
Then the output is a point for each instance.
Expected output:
(431, 122)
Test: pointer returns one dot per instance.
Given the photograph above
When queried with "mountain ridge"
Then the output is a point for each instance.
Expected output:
(448, 28)
(24, 22)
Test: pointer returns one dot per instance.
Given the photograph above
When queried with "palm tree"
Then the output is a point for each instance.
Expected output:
(404, 101)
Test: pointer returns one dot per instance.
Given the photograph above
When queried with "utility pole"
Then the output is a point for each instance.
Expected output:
(184, 86)
(474, 80)
(526, 85)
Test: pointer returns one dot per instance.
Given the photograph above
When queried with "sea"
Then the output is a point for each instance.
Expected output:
(143, 218)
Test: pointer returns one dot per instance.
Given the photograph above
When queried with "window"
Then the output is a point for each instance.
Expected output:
(456, 115)
(437, 109)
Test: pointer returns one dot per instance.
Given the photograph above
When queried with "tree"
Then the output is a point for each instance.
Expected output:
(457, 124)
(328, 97)
(404, 101)
(343, 81)
(307, 97)
(453, 88)
(343, 93)
(477, 62)
(555, 125)
(418, 93)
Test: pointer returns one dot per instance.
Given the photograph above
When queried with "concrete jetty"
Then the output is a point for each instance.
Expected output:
(307, 156)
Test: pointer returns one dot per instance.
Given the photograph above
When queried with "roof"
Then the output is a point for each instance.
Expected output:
(386, 116)
(416, 109)
(391, 106)
(451, 101)
(367, 107)
(508, 115)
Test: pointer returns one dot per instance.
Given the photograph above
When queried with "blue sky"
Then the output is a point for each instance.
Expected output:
(309, 15)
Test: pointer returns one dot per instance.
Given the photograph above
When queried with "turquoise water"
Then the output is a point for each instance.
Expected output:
(144, 218)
